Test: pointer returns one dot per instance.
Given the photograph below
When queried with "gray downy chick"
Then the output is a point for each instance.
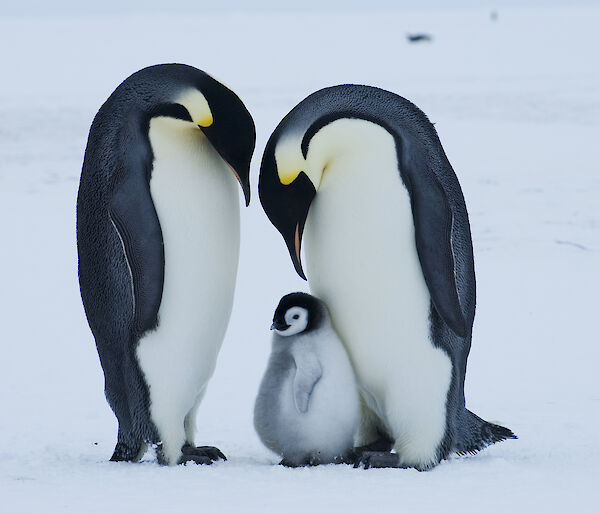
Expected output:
(308, 408)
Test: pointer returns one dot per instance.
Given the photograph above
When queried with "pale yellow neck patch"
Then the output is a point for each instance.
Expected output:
(289, 160)
(197, 105)
(342, 138)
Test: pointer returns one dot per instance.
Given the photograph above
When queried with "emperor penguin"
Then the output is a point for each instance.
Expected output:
(158, 244)
(360, 174)
(307, 409)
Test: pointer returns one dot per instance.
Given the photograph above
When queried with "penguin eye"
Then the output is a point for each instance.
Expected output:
(295, 316)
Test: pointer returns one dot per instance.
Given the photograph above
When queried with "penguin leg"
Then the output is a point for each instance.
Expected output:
(191, 452)
(371, 428)
(189, 425)
(129, 447)
(173, 449)
(371, 434)
(382, 444)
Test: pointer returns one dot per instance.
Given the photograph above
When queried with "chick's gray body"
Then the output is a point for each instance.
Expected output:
(307, 409)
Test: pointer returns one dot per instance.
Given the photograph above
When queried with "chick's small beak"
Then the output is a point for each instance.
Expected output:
(279, 325)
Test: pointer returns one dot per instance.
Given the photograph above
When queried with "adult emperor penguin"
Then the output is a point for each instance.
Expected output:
(158, 244)
(307, 409)
(361, 173)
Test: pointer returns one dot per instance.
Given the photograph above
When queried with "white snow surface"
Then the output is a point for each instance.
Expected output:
(516, 103)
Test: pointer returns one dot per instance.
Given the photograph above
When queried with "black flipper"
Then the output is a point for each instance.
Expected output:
(475, 434)
(134, 216)
(433, 233)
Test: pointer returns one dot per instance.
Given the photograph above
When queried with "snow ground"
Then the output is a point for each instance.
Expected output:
(517, 106)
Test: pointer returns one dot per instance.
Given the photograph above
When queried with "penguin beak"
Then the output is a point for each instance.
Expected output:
(245, 184)
(286, 206)
(236, 153)
(280, 326)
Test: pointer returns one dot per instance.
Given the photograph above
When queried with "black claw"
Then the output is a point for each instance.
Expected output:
(201, 454)
(289, 464)
(313, 460)
(368, 460)
(197, 459)
(349, 458)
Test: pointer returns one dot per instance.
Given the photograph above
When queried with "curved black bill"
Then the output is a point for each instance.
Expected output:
(245, 184)
(237, 153)
(286, 206)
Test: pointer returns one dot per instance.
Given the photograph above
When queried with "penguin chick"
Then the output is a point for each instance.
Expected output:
(307, 409)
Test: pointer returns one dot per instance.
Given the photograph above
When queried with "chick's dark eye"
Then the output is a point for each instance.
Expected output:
(295, 316)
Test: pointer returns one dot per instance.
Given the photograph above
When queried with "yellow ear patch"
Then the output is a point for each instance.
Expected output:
(197, 105)
(286, 178)
(289, 159)
(206, 121)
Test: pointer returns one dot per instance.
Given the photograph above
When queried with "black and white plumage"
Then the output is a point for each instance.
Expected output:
(158, 244)
(361, 174)
(307, 409)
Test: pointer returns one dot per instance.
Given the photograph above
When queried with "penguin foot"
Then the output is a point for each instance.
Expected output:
(127, 453)
(348, 458)
(290, 464)
(382, 445)
(309, 461)
(368, 459)
(200, 454)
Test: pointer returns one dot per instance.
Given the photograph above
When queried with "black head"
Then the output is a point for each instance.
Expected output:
(299, 313)
(288, 183)
(186, 93)
(291, 171)
(286, 205)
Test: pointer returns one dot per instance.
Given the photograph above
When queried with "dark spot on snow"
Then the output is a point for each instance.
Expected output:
(571, 243)
(418, 38)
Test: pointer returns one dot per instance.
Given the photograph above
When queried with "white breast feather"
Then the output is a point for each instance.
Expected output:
(196, 199)
(361, 260)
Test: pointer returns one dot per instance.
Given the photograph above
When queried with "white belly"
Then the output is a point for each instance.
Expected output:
(361, 260)
(196, 199)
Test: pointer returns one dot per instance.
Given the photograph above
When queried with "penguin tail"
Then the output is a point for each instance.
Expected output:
(475, 434)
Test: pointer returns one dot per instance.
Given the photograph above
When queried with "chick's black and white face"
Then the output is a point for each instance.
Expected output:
(296, 319)
(299, 313)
